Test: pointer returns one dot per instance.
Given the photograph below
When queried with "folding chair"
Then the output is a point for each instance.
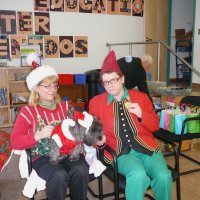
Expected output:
(119, 180)
(91, 178)
(177, 140)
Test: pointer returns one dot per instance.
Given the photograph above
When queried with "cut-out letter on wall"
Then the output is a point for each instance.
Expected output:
(71, 5)
(36, 40)
(42, 23)
(66, 46)
(16, 41)
(51, 49)
(4, 47)
(125, 7)
(81, 46)
(85, 6)
(57, 5)
(137, 8)
(25, 23)
(41, 5)
(113, 7)
(99, 6)
(7, 22)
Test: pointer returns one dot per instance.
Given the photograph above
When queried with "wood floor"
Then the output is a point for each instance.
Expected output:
(11, 185)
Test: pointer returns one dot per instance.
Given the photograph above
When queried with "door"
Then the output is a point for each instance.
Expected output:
(156, 29)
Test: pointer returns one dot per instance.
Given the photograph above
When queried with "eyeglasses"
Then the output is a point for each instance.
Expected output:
(112, 81)
(48, 87)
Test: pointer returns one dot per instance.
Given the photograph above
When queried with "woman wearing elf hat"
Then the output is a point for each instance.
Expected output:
(33, 128)
(129, 119)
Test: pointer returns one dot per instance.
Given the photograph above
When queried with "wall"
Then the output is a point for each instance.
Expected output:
(182, 18)
(99, 28)
(196, 47)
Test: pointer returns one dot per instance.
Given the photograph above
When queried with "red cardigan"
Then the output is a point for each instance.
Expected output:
(99, 107)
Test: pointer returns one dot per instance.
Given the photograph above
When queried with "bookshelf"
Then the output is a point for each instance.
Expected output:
(13, 93)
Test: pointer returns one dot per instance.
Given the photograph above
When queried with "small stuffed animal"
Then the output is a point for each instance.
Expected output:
(69, 136)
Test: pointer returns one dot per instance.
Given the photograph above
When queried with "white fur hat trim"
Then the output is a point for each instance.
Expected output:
(32, 57)
(39, 74)
(65, 128)
(87, 122)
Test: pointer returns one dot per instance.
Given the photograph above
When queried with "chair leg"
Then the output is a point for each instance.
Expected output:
(177, 152)
(178, 189)
(100, 184)
(100, 189)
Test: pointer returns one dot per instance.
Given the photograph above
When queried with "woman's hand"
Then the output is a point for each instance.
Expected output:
(102, 142)
(135, 109)
(44, 133)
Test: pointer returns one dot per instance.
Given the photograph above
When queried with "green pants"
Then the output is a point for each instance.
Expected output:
(141, 171)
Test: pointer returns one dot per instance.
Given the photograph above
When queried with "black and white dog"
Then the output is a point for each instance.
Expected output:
(70, 137)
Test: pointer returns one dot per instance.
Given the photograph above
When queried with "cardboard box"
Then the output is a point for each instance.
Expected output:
(183, 38)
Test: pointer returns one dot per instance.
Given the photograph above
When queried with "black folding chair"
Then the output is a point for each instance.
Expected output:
(91, 178)
(176, 140)
(119, 180)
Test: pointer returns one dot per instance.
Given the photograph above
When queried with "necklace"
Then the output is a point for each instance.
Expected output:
(49, 106)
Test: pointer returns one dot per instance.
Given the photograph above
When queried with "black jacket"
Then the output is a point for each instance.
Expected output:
(134, 73)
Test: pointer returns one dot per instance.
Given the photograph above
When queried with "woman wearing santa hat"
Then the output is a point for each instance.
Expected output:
(129, 119)
(33, 128)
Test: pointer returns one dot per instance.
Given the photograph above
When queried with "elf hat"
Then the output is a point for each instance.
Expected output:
(110, 64)
(39, 74)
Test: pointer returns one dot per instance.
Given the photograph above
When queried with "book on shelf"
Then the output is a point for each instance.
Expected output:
(3, 96)
(13, 113)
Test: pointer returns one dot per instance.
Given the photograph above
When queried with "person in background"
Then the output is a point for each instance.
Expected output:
(33, 128)
(134, 70)
(129, 121)
(147, 61)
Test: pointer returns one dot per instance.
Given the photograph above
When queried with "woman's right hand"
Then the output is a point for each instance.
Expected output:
(44, 133)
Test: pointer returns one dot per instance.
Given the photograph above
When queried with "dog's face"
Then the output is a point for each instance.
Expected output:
(93, 135)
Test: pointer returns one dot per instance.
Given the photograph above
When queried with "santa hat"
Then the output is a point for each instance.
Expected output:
(110, 64)
(39, 74)
(33, 60)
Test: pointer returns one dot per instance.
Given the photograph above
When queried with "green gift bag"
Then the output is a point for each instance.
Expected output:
(172, 123)
(194, 125)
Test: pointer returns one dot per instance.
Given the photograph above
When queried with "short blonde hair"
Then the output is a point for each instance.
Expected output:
(147, 61)
(34, 98)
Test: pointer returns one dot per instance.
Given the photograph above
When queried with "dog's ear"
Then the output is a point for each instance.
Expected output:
(94, 134)
(78, 132)
(65, 126)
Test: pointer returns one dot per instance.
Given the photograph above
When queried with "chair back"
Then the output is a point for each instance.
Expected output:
(192, 100)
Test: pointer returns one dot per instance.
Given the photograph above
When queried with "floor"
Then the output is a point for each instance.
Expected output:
(11, 185)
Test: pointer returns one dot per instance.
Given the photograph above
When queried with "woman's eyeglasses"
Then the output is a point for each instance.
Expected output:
(48, 87)
(112, 81)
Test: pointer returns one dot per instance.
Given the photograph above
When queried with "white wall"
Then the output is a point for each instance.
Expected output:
(182, 18)
(99, 28)
(196, 48)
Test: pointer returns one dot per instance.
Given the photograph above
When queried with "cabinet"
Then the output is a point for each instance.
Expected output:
(13, 93)
(184, 48)
(74, 91)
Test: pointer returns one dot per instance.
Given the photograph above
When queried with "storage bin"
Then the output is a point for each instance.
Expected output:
(66, 79)
(80, 79)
